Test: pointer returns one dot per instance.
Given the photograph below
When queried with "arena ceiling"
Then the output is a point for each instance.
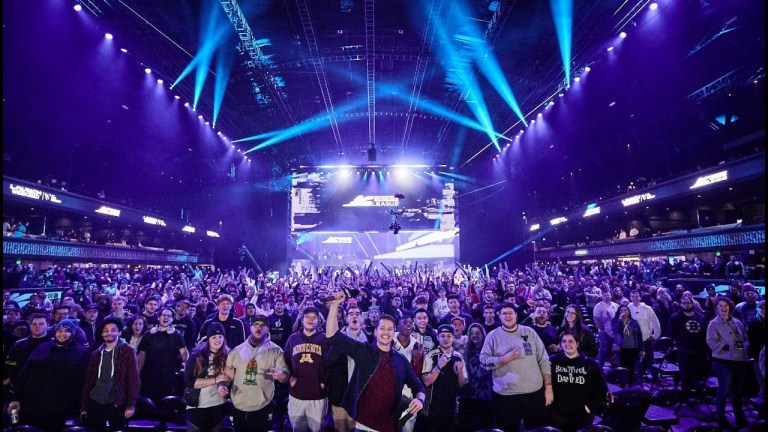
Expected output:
(376, 71)
(319, 81)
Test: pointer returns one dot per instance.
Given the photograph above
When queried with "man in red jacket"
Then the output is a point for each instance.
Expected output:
(111, 381)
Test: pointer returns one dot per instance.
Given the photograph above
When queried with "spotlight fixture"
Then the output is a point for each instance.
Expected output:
(623, 35)
(78, 8)
(109, 36)
(654, 6)
(147, 70)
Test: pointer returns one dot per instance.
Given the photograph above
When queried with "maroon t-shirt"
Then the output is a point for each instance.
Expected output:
(378, 398)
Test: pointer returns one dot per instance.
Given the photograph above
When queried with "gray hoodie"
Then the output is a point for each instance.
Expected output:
(252, 388)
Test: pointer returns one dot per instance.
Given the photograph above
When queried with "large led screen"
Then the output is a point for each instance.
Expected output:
(346, 216)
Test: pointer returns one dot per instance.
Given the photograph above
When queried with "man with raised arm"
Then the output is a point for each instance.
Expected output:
(376, 385)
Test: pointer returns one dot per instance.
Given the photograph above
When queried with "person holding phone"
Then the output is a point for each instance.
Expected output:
(380, 373)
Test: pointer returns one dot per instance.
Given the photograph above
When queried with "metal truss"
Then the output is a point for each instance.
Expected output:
(317, 63)
(724, 82)
(259, 61)
(370, 65)
(421, 69)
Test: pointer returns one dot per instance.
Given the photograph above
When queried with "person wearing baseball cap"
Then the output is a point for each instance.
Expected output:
(91, 325)
(253, 367)
(747, 310)
(260, 320)
(250, 313)
(460, 339)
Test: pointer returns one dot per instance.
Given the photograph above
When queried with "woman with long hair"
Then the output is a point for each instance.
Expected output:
(206, 384)
(134, 331)
(578, 385)
(629, 340)
(728, 340)
(572, 322)
(476, 403)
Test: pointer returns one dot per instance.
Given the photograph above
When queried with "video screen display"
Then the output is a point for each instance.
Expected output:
(345, 216)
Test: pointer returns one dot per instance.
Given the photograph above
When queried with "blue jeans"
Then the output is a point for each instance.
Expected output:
(730, 382)
(606, 345)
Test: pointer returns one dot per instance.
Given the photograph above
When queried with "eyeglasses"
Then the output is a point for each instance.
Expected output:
(166, 315)
(258, 325)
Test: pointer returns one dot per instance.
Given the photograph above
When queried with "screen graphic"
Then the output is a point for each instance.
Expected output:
(344, 217)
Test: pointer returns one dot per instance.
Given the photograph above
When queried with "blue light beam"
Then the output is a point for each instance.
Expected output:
(562, 15)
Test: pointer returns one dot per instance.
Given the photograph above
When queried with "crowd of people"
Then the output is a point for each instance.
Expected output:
(375, 348)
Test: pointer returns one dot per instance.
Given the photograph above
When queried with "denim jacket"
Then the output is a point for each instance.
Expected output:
(367, 358)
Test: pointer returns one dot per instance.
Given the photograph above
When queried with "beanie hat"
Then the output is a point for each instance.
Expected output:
(215, 329)
(67, 324)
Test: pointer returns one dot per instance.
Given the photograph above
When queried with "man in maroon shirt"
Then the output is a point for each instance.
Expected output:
(376, 386)
(304, 353)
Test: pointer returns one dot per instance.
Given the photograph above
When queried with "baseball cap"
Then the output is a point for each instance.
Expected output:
(262, 319)
(445, 328)
(310, 309)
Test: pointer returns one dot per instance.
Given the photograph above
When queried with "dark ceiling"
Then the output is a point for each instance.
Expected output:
(391, 84)
(323, 54)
